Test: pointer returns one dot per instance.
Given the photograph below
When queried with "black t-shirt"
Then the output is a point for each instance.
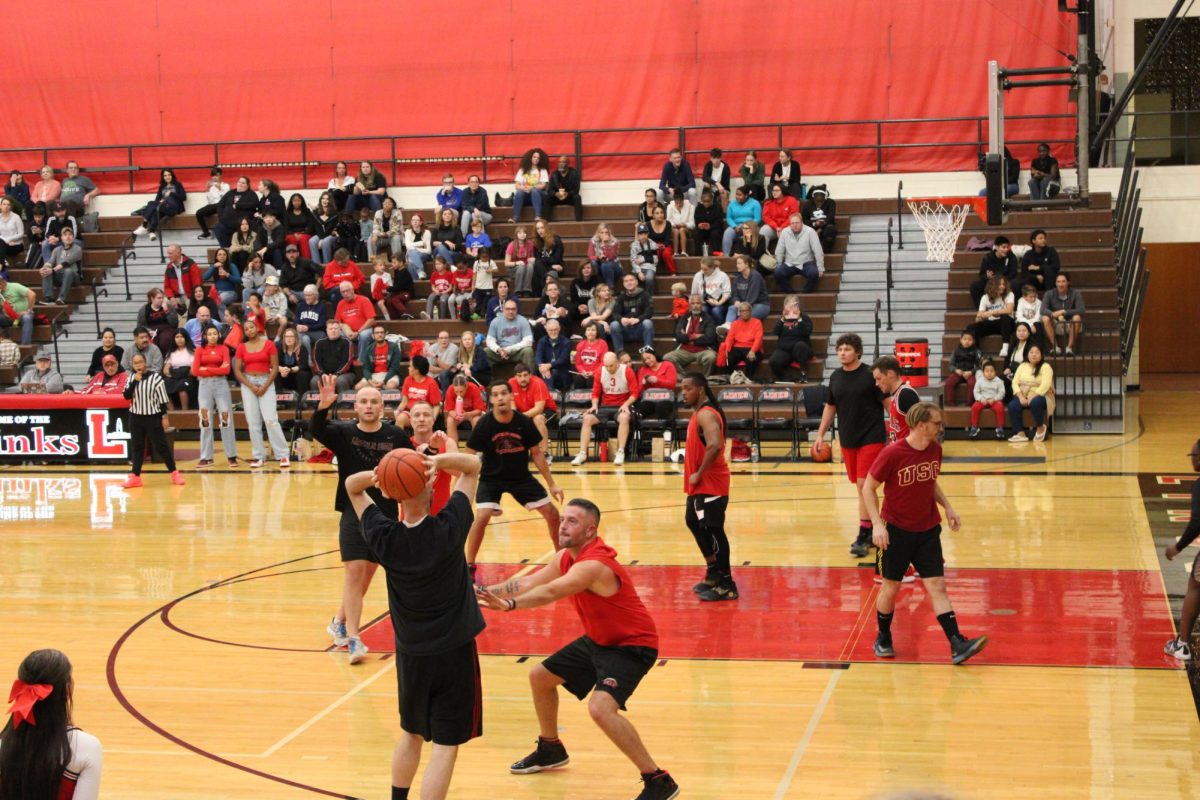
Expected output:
(357, 451)
(859, 406)
(430, 594)
(505, 447)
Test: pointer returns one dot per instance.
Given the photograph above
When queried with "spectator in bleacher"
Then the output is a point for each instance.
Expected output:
(47, 190)
(311, 316)
(1040, 264)
(271, 238)
(676, 177)
(64, 269)
(475, 205)
(1044, 178)
(820, 213)
(347, 235)
(214, 190)
(55, 225)
(472, 363)
(483, 269)
(589, 352)
(255, 365)
(989, 392)
(357, 316)
(655, 374)
(1023, 338)
(582, 288)
(547, 255)
(12, 233)
(36, 236)
(449, 196)
(254, 277)
(518, 262)
(418, 246)
(995, 313)
(1000, 261)
(551, 306)
(17, 307)
(295, 273)
(270, 199)
(299, 225)
(564, 189)
(750, 288)
(660, 232)
(387, 230)
(143, 346)
(333, 355)
(41, 377)
(295, 363)
(231, 327)
(325, 217)
(255, 311)
(211, 365)
(1029, 309)
(340, 185)
(225, 277)
(681, 217)
(160, 318)
(381, 365)
(553, 356)
(379, 282)
(78, 191)
(370, 187)
(715, 177)
(604, 253)
(632, 319)
(194, 327)
(168, 202)
(530, 183)
(496, 302)
(644, 256)
(742, 348)
(600, 310)
(242, 244)
(10, 351)
(741, 210)
(712, 284)
(236, 205)
(418, 387)
(709, 225)
(1032, 388)
(464, 284)
(177, 370)
(447, 239)
(338, 271)
(109, 380)
(614, 391)
(18, 191)
(696, 338)
(753, 175)
(1062, 315)
(646, 210)
(442, 354)
(275, 304)
(441, 290)
(964, 361)
(464, 403)
(108, 347)
(798, 252)
(510, 338)
(786, 173)
(476, 240)
(202, 299)
(776, 212)
(793, 332)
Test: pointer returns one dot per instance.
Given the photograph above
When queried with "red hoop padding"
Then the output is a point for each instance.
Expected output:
(979, 204)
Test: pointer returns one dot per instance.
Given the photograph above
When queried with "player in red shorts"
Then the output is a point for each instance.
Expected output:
(909, 530)
(706, 483)
(858, 404)
(618, 648)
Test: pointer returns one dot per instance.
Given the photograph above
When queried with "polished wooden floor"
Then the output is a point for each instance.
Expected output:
(195, 619)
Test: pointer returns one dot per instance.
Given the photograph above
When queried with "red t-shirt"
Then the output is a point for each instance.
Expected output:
(472, 399)
(379, 357)
(355, 313)
(258, 317)
(259, 362)
(589, 356)
(909, 478)
(441, 282)
(666, 374)
(211, 361)
(525, 399)
(715, 480)
(424, 391)
(464, 280)
(618, 621)
(335, 273)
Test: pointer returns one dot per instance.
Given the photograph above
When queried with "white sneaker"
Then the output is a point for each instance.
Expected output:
(1179, 649)
(1069, 352)
(153, 236)
(358, 651)
(1040, 434)
(619, 458)
(722, 330)
(1004, 350)
(579, 460)
(1019, 436)
(140, 230)
(284, 463)
(337, 629)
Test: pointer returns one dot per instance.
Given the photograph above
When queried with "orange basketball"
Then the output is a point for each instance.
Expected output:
(401, 474)
(821, 452)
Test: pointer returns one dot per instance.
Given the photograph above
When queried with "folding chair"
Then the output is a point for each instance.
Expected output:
(810, 405)
(574, 403)
(777, 412)
(650, 424)
(738, 404)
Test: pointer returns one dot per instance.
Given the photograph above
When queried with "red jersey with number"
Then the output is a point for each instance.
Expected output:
(423, 391)
(614, 388)
(525, 399)
(715, 480)
(618, 621)
(909, 477)
(902, 400)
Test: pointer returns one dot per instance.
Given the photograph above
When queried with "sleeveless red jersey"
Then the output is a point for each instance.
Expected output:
(904, 398)
(618, 621)
(441, 487)
(715, 480)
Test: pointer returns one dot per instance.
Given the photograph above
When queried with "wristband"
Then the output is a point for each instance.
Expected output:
(512, 604)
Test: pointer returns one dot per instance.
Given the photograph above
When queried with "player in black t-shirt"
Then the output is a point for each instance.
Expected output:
(358, 446)
(858, 404)
(507, 440)
(1181, 647)
(435, 617)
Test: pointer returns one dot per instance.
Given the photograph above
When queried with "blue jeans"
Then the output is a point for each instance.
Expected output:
(322, 248)
(521, 198)
(65, 277)
(619, 333)
(609, 271)
(759, 311)
(364, 344)
(784, 273)
(467, 216)
(416, 263)
(1037, 407)
(26, 326)
(1039, 188)
(356, 201)
(718, 312)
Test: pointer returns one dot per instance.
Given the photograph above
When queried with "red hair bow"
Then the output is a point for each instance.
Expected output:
(23, 696)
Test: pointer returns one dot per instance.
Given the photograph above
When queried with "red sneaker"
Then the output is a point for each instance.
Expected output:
(132, 482)
(177, 478)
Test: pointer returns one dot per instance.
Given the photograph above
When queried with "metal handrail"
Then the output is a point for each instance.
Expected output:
(57, 329)
(127, 252)
(97, 293)
(889, 281)
(900, 214)
(878, 325)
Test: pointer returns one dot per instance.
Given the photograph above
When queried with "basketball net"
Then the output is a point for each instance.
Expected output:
(941, 220)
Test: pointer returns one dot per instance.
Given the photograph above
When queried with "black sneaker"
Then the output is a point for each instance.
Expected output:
(548, 755)
(883, 647)
(661, 787)
(710, 580)
(722, 590)
(862, 545)
(205, 235)
(962, 648)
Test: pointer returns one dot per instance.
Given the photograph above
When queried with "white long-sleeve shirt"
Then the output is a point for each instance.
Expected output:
(798, 249)
(685, 217)
(12, 229)
(215, 192)
(711, 287)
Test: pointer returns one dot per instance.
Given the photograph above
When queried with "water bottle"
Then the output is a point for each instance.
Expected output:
(437, 310)
(705, 250)
(458, 406)
(754, 452)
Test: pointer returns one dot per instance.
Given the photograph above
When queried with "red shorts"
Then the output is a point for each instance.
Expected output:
(859, 460)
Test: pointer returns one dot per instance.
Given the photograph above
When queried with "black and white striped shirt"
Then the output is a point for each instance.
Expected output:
(148, 397)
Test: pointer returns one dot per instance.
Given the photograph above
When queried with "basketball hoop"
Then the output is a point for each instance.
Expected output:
(941, 220)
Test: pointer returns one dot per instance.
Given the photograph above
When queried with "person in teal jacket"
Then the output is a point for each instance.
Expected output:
(742, 208)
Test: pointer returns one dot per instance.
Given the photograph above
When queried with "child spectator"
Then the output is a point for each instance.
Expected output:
(381, 282)
(643, 256)
(464, 283)
(400, 292)
(441, 290)
(988, 392)
(963, 363)
(477, 240)
(346, 233)
(275, 304)
(679, 300)
(366, 225)
(484, 269)
(1029, 308)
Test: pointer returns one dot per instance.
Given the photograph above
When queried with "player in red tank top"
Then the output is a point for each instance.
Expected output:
(430, 442)
(898, 396)
(618, 648)
(706, 483)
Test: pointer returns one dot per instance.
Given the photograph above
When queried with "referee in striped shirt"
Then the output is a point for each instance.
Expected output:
(147, 396)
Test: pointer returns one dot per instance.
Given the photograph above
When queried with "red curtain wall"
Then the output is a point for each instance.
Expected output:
(155, 73)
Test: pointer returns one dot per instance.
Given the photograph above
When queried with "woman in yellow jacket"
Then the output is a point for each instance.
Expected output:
(1033, 388)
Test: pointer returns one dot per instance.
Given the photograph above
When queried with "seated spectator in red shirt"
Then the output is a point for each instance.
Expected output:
(743, 345)
(655, 374)
(589, 353)
(381, 369)
(180, 277)
(418, 387)
(339, 270)
(613, 394)
(464, 405)
(357, 315)
(110, 379)
(776, 211)
(532, 398)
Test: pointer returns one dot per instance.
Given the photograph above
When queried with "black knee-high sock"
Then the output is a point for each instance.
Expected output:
(885, 622)
(400, 794)
(949, 624)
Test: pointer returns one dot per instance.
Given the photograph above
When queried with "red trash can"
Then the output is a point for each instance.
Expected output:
(913, 355)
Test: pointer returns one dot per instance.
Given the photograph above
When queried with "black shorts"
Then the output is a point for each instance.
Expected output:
(526, 491)
(923, 550)
(609, 413)
(584, 665)
(350, 539)
(441, 696)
